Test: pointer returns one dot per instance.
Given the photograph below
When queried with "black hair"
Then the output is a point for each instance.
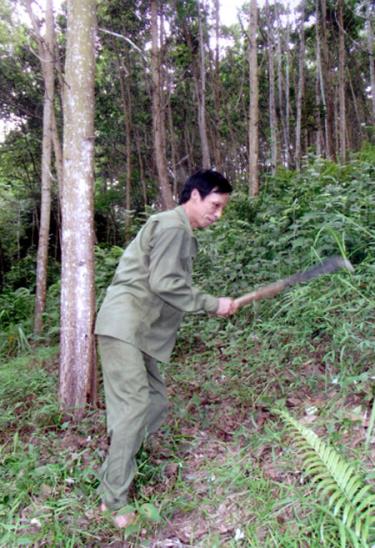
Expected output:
(205, 181)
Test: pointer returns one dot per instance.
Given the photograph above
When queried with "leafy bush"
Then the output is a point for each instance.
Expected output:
(297, 219)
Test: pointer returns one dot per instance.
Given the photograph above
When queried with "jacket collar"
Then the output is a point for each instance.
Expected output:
(182, 215)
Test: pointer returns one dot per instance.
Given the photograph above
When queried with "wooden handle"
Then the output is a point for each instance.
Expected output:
(328, 266)
(265, 292)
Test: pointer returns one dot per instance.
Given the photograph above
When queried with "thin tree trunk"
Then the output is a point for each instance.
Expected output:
(77, 348)
(319, 90)
(201, 95)
(217, 89)
(326, 80)
(254, 102)
(356, 112)
(370, 43)
(141, 169)
(127, 111)
(287, 96)
(158, 114)
(45, 49)
(172, 140)
(342, 105)
(300, 93)
(280, 89)
(271, 88)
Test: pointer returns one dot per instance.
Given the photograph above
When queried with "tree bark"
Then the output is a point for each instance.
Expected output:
(326, 80)
(271, 90)
(254, 102)
(342, 105)
(77, 349)
(45, 50)
(217, 90)
(280, 84)
(172, 139)
(370, 43)
(319, 90)
(300, 92)
(158, 113)
(141, 168)
(127, 111)
(201, 95)
(287, 96)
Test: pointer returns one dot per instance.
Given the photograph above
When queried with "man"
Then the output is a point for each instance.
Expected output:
(138, 321)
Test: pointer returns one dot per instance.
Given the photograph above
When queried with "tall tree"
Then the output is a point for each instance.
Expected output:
(216, 83)
(271, 90)
(158, 112)
(342, 105)
(281, 88)
(301, 86)
(254, 102)
(370, 44)
(192, 18)
(319, 90)
(45, 50)
(287, 92)
(326, 81)
(200, 85)
(127, 111)
(77, 349)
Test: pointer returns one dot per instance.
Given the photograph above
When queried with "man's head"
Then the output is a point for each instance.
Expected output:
(204, 196)
(205, 181)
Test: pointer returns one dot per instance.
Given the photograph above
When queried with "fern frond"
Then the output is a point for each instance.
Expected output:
(350, 502)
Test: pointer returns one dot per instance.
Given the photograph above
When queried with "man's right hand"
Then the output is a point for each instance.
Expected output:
(227, 307)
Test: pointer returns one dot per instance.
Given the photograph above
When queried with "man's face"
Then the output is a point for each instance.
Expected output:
(207, 210)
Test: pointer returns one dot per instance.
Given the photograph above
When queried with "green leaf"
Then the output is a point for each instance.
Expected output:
(150, 512)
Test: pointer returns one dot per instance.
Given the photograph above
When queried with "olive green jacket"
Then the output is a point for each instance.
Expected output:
(152, 286)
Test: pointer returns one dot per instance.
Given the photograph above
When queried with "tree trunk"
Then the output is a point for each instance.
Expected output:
(300, 92)
(200, 83)
(77, 348)
(370, 43)
(326, 80)
(280, 82)
(342, 106)
(319, 90)
(127, 111)
(45, 48)
(254, 102)
(158, 113)
(287, 96)
(357, 135)
(141, 168)
(217, 90)
(271, 89)
(172, 139)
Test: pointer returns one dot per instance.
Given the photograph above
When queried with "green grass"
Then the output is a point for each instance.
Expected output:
(224, 471)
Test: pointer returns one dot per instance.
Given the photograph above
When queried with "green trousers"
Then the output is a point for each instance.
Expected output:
(136, 404)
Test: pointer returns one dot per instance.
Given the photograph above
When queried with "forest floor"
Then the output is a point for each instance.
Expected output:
(222, 472)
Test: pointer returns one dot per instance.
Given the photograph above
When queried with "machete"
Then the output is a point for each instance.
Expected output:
(267, 291)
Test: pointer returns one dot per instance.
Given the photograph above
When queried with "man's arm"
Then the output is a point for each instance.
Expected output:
(170, 281)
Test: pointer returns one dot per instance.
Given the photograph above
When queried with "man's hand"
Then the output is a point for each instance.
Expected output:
(226, 307)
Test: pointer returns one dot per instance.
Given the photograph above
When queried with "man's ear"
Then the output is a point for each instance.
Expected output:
(195, 194)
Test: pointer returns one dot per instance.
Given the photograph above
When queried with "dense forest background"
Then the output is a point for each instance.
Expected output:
(283, 103)
(310, 59)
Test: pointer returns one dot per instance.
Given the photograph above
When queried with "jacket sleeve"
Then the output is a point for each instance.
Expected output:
(168, 278)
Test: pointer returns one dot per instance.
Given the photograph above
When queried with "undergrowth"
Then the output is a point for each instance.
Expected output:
(224, 472)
